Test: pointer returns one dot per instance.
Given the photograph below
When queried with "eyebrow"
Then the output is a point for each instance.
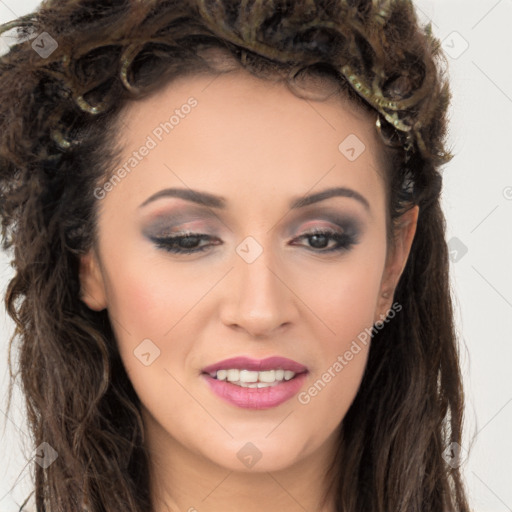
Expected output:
(213, 201)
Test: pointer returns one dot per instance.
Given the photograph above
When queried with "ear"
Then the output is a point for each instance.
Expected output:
(404, 231)
(92, 285)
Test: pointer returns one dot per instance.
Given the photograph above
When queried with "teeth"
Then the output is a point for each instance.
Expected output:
(248, 376)
(253, 379)
(221, 374)
(255, 384)
(232, 375)
(267, 376)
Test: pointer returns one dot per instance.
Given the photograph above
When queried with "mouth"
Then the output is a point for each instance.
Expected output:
(255, 384)
(253, 379)
(252, 373)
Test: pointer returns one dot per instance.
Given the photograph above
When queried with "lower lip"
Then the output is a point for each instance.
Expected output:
(256, 398)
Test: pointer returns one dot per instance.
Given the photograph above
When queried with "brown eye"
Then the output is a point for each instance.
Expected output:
(186, 243)
(320, 239)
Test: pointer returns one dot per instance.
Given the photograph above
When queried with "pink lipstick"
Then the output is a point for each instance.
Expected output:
(255, 384)
(247, 363)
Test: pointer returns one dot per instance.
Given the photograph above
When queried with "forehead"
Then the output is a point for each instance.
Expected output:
(242, 129)
(238, 89)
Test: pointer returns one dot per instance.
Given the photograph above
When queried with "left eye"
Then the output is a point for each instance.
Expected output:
(189, 243)
(319, 239)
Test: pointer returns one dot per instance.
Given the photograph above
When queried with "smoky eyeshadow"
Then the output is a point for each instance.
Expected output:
(349, 223)
(169, 223)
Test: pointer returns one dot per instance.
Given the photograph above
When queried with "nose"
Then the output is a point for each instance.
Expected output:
(258, 298)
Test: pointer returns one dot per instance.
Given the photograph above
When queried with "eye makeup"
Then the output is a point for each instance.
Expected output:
(178, 234)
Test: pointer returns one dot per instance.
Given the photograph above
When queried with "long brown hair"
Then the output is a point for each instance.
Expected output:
(58, 114)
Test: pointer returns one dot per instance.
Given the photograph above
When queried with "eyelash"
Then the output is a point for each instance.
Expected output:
(344, 241)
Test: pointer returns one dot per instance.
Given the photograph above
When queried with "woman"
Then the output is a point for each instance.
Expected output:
(231, 285)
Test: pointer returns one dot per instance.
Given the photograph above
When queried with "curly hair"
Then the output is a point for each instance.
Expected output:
(58, 115)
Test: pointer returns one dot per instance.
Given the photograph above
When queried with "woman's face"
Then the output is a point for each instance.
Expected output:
(257, 283)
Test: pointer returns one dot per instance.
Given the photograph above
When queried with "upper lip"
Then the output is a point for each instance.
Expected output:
(247, 363)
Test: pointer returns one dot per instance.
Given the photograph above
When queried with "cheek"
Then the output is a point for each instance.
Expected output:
(153, 298)
(345, 305)
(330, 392)
(343, 296)
(149, 295)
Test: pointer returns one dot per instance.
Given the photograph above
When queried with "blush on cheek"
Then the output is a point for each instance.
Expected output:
(346, 303)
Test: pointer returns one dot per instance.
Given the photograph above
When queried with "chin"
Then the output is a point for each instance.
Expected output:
(256, 454)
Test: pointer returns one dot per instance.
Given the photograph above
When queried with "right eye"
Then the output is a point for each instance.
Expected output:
(185, 243)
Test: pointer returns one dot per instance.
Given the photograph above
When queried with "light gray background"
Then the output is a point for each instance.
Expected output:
(477, 200)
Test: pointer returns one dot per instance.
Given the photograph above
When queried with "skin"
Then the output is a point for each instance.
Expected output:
(259, 146)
